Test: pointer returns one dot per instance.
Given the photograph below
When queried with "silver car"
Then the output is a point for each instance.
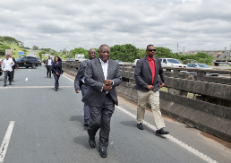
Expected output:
(201, 66)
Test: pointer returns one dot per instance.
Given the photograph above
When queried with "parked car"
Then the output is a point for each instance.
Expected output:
(171, 62)
(71, 59)
(201, 66)
(40, 61)
(27, 62)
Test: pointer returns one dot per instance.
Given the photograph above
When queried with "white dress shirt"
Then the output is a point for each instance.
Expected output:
(104, 67)
(7, 65)
(49, 62)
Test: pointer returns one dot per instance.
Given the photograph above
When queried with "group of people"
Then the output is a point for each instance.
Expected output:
(8, 67)
(56, 68)
(97, 79)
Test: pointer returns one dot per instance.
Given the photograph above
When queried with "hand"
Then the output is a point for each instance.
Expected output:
(107, 88)
(57, 73)
(150, 87)
(162, 85)
(16, 68)
(77, 91)
(107, 82)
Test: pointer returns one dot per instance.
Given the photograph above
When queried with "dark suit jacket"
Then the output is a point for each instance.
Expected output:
(46, 62)
(94, 78)
(14, 67)
(80, 74)
(143, 74)
(57, 68)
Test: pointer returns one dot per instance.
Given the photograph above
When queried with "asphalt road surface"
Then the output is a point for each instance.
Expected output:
(38, 124)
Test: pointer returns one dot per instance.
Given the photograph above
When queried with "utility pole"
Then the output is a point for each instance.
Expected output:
(177, 48)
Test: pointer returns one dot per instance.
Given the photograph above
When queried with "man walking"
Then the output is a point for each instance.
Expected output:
(48, 65)
(80, 84)
(148, 84)
(7, 68)
(13, 67)
(102, 75)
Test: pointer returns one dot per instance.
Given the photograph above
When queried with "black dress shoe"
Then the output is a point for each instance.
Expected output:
(92, 142)
(161, 132)
(140, 126)
(103, 152)
(56, 89)
(4, 85)
(9, 83)
(86, 123)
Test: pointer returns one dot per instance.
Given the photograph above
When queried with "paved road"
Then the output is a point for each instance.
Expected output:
(48, 127)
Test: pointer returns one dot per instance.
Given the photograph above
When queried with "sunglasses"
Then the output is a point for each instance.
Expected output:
(152, 50)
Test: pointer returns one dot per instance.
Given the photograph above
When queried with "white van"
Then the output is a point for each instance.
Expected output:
(171, 62)
(79, 57)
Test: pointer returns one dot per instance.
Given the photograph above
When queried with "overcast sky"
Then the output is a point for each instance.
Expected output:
(195, 24)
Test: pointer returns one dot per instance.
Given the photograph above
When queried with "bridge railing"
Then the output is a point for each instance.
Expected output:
(197, 99)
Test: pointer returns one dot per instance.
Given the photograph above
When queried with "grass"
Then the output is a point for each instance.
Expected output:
(15, 52)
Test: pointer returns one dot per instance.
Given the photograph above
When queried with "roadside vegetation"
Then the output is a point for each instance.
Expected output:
(7, 42)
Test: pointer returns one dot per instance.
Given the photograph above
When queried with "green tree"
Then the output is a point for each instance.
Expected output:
(124, 53)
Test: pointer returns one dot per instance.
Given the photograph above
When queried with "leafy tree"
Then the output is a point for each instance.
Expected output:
(124, 53)
(35, 47)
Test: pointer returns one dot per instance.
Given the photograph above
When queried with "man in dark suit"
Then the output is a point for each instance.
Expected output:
(79, 84)
(148, 84)
(102, 75)
(48, 65)
(13, 67)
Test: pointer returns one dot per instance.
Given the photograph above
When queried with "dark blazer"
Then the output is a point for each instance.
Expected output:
(80, 74)
(46, 62)
(57, 68)
(15, 64)
(143, 74)
(94, 78)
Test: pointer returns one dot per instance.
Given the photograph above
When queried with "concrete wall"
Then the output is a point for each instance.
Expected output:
(210, 112)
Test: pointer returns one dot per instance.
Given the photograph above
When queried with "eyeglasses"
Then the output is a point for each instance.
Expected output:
(152, 50)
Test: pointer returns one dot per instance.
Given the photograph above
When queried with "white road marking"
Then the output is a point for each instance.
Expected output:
(26, 79)
(182, 144)
(6, 141)
(35, 87)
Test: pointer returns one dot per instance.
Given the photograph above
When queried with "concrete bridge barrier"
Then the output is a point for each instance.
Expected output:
(199, 100)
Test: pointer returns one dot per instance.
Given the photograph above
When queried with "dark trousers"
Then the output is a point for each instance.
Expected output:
(56, 80)
(12, 74)
(49, 71)
(86, 108)
(100, 118)
(7, 74)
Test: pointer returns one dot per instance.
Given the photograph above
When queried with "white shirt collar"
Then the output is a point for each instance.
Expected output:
(103, 61)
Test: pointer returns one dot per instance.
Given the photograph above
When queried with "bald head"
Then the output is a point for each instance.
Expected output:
(92, 54)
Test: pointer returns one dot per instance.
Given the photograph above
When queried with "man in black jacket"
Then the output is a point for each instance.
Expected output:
(13, 67)
(148, 84)
(80, 84)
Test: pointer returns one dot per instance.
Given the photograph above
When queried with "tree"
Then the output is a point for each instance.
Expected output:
(35, 47)
(124, 53)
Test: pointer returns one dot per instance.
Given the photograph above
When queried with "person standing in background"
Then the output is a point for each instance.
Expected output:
(14, 67)
(48, 65)
(80, 84)
(57, 71)
(7, 69)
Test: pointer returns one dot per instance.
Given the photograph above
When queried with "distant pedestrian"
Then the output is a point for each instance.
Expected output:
(48, 65)
(13, 67)
(57, 71)
(80, 84)
(147, 72)
(7, 69)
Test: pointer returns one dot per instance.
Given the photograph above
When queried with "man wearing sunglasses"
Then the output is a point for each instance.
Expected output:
(148, 84)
